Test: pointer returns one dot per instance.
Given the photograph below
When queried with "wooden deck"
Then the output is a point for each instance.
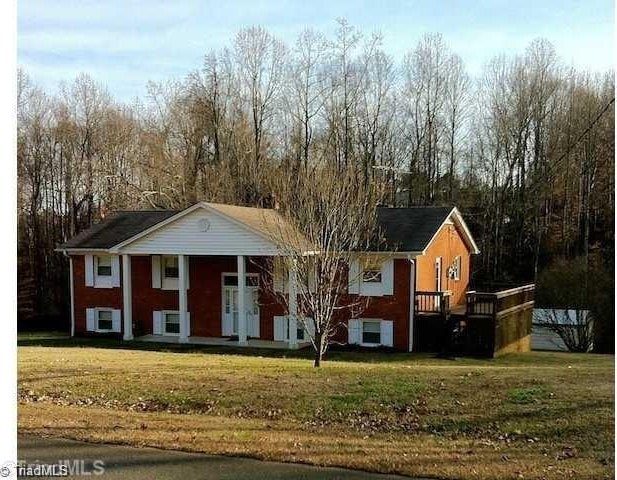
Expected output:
(487, 324)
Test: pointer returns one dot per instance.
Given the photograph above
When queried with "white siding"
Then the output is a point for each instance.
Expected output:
(186, 236)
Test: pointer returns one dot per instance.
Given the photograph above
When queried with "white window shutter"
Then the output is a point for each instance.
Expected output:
(354, 333)
(89, 265)
(309, 327)
(156, 271)
(188, 324)
(387, 277)
(116, 321)
(280, 328)
(354, 277)
(90, 313)
(387, 333)
(115, 270)
(157, 323)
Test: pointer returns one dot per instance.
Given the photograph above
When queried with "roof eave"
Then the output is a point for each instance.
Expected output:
(82, 250)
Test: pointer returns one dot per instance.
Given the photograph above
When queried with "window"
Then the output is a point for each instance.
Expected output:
(371, 332)
(371, 272)
(457, 267)
(170, 267)
(438, 274)
(172, 323)
(299, 331)
(103, 266)
(104, 320)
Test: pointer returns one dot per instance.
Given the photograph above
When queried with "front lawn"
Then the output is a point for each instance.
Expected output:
(539, 415)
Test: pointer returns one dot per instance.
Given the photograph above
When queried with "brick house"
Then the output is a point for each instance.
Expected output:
(196, 276)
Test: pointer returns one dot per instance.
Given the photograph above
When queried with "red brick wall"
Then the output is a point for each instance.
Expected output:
(205, 298)
(205, 295)
(391, 307)
(147, 299)
(90, 297)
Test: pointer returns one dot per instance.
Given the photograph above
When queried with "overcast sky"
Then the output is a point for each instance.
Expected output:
(125, 43)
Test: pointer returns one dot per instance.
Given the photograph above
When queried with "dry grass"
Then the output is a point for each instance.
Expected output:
(521, 416)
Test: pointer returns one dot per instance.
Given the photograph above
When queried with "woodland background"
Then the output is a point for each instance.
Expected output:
(525, 149)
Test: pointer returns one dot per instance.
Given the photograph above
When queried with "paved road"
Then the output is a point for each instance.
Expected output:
(130, 463)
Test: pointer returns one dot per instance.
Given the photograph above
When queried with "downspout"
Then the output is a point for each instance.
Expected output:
(72, 293)
(412, 299)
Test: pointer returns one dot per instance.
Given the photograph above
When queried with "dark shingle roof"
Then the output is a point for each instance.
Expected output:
(410, 229)
(117, 227)
(403, 229)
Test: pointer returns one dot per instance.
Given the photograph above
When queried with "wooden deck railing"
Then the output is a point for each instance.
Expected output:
(490, 304)
(432, 302)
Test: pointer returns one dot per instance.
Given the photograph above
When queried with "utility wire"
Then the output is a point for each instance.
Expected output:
(579, 138)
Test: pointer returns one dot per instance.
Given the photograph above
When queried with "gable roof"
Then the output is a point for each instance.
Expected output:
(116, 228)
(124, 227)
(411, 229)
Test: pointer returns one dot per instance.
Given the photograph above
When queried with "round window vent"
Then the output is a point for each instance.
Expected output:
(203, 224)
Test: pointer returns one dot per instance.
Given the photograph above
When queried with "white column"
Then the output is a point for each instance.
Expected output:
(293, 309)
(242, 327)
(127, 298)
(72, 290)
(182, 299)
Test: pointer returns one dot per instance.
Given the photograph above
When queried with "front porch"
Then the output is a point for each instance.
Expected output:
(222, 342)
(208, 300)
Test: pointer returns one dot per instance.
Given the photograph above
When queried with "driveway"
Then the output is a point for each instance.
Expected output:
(131, 463)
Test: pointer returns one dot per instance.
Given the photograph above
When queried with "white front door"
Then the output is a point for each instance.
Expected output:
(230, 305)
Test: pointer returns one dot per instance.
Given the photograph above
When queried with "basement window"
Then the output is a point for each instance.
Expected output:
(371, 333)
(104, 320)
(171, 323)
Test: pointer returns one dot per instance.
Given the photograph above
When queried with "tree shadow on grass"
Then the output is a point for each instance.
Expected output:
(336, 353)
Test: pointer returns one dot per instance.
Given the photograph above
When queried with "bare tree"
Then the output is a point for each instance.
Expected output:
(333, 219)
(456, 108)
(260, 61)
(306, 87)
